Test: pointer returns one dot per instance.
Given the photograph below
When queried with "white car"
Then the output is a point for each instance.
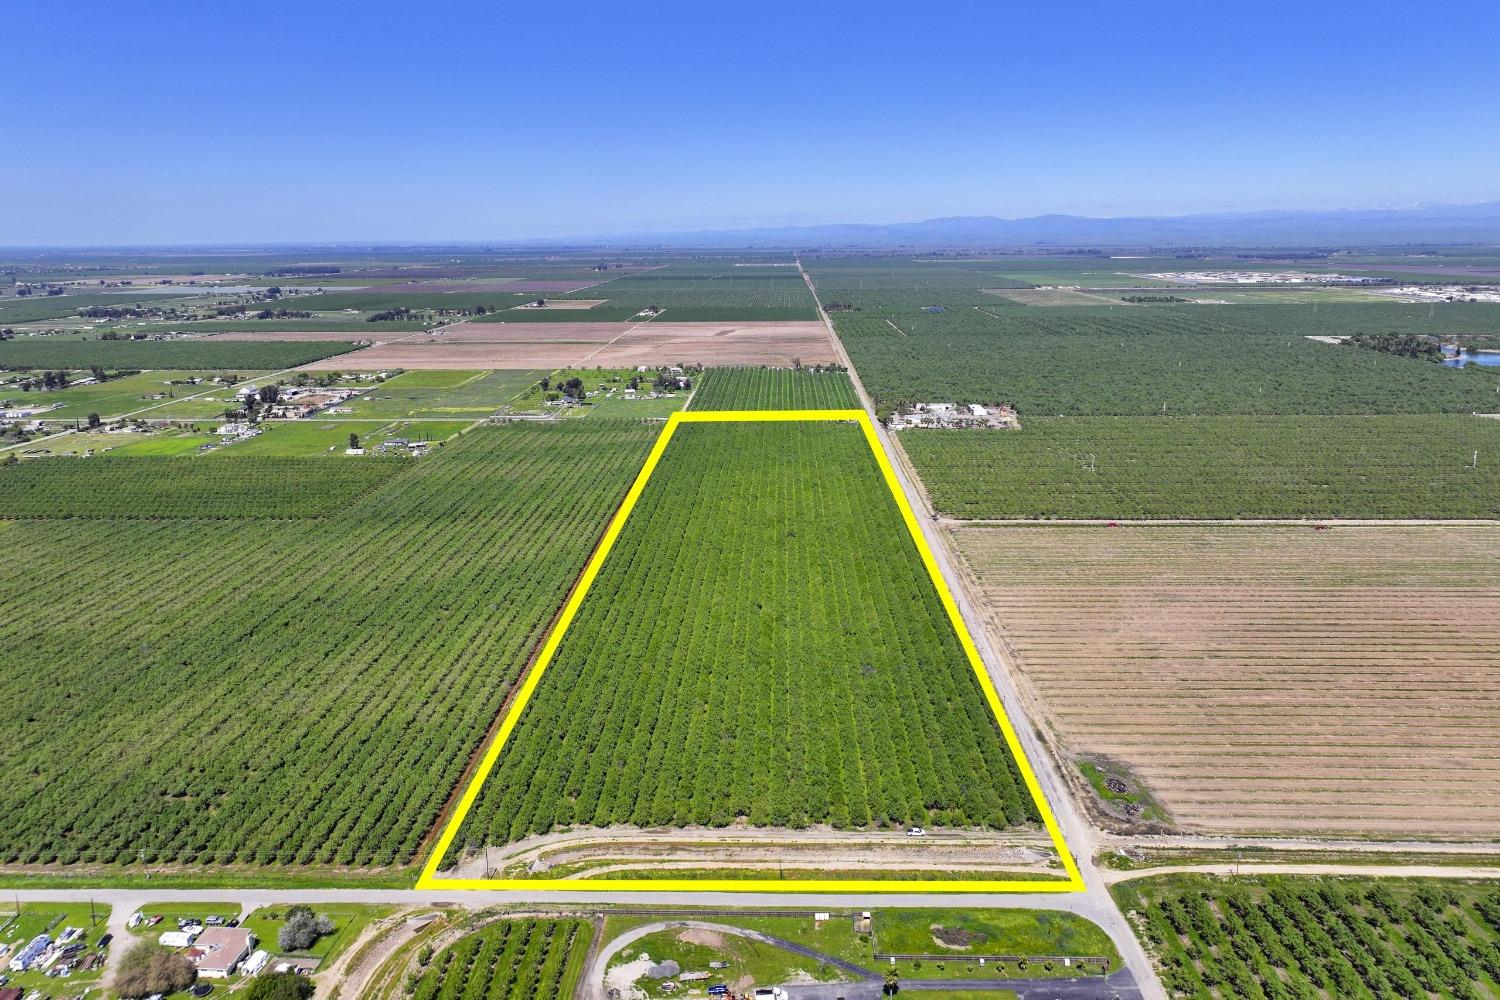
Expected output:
(916, 831)
(769, 993)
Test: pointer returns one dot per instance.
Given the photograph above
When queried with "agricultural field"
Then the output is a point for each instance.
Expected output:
(1214, 467)
(113, 487)
(1301, 938)
(188, 354)
(575, 344)
(509, 960)
(1165, 360)
(785, 537)
(688, 292)
(296, 657)
(774, 389)
(1278, 680)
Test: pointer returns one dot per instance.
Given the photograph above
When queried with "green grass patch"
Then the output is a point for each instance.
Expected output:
(349, 921)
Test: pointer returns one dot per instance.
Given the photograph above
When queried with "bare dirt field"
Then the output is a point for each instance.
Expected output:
(592, 851)
(307, 335)
(610, 345)
(762, 343)
(1265, 679)
(526, 333)
(445, 356)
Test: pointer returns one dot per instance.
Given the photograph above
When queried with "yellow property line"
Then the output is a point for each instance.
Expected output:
(430, 878)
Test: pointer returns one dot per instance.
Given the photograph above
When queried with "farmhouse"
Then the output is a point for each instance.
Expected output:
(219, 951)
(948, 416)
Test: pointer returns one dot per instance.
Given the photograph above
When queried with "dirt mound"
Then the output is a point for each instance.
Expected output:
(955, 938)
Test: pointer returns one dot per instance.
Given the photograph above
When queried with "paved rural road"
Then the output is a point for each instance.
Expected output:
(1096, 903)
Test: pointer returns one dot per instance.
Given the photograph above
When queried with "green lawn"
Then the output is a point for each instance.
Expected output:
(349, 920)
(165, 443)
(121, 396)
(316, 436)
(693, 950)
(990, 932)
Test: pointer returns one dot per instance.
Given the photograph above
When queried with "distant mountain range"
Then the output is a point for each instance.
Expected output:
(1422, 224)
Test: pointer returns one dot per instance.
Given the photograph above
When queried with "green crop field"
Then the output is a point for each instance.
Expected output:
(150, 488)
(763, 643)
(1304, 939)
(272, 689)
(509, 960)
(774, 389)
(67, 353)
(1142, 361)
(1217, 467)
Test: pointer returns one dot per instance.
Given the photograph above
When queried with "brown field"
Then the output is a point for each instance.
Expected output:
(610, 345)
(307, 335)
(564, 304)
(1265, 679)
(527, 333)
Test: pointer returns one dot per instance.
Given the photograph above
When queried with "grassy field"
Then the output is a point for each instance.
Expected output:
(509, 960)
(349, 920)
(1275, 680)
(259, 689)
(1214, 467)
(1000, 937)
(443, 394)
(750, 961)
(165, 444)
(190, 355)
(1298, 938)
(774, 389)
(315, 436)
(972, 934)
(763, 643)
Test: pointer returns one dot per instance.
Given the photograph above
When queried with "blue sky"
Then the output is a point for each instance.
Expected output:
(250, 122)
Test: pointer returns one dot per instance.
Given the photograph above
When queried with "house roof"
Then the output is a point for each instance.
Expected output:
(221, 947)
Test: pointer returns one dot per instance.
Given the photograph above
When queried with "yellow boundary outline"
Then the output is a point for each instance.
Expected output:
(431, 880)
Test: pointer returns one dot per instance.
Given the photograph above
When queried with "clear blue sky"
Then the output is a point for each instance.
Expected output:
(132, 122)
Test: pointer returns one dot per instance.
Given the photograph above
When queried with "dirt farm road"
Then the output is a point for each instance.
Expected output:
(1077, 832)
